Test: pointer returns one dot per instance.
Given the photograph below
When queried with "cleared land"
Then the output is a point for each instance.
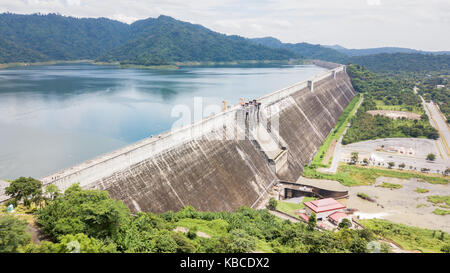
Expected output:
(394, 114)
(402, 205)
(409, 151)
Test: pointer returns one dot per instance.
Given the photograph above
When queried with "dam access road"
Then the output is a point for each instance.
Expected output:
(225, 161)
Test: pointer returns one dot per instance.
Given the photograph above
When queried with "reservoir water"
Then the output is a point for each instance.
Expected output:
(53, 117)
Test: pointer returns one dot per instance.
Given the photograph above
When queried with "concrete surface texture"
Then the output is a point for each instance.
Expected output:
(202, 166)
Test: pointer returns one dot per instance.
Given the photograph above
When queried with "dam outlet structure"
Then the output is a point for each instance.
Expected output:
(224, 161)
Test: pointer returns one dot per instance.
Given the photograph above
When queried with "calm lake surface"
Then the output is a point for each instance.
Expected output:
(52, 117)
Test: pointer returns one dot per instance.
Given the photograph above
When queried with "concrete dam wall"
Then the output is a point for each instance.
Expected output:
(224, 161)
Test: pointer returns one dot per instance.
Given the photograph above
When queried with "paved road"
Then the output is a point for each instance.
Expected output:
(338, 148)
(438, 122)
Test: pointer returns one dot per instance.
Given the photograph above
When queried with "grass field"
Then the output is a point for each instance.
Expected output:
(420, 190)
(409, 238)
(289, 208)
(339, 129)
(391, 186)
(441, 212)
(351, 175)
(407, 108)
(441, 201)
(215, 227)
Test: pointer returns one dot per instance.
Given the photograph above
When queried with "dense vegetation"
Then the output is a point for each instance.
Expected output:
(380, 92)
(88, 220)
(379, 50)
(164, 40)
(376, 59)
(36, 37)
(307, 51)
(406, 62)
(55, 37)
(410, 238)
(436, 88)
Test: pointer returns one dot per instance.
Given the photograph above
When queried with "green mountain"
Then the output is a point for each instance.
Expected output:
(379, 50)
(387, 59)
(306, 50)
(11, 52)
(152, 41)
(58, 37)
(406, 62)
(164, 39)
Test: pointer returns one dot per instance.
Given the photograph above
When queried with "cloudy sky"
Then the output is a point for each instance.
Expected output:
(419, 24)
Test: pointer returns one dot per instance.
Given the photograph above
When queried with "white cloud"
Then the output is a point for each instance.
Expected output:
(351, 23)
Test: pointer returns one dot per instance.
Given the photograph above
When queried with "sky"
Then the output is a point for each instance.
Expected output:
(418, 24)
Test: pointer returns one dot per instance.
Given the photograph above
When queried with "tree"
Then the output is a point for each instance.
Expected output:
(312, 221)
(391, 164)
(358, 245)
(366, 161)
(52, 191)
(447, 171)
(431, 157)
(71, 243)
(240, 242)
(25, 189)
(272, 203)
(345, 223)
(164, 243)
(184, 245)
(12, 233)
(446, 249)
(91, 212)
(354, 158)
(401, 166)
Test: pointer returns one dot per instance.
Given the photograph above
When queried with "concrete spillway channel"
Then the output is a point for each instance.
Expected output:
(224, 161)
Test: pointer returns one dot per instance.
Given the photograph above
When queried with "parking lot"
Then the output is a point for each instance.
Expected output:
(410, 151)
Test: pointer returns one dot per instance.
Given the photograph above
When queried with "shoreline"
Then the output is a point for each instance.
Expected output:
(172, 65)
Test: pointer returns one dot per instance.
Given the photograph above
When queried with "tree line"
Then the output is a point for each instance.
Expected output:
(90, 221)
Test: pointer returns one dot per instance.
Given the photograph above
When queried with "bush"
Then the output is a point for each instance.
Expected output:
(272, 204)
(12, 234)
(90, 212)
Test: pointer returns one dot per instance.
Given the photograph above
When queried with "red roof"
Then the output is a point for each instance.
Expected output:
(322, 205)
(304, 217)
(336, 216)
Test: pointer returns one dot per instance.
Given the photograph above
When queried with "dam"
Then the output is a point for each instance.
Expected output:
(225, 161)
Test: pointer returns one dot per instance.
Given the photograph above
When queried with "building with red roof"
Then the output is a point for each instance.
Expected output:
(323, 207)
(337, 217)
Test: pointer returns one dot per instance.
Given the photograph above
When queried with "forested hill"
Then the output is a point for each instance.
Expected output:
(36, 37)
(379, 50)
(306, 50)
(55, 37)
(407, 62)
(392, 60)
(164, 39)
